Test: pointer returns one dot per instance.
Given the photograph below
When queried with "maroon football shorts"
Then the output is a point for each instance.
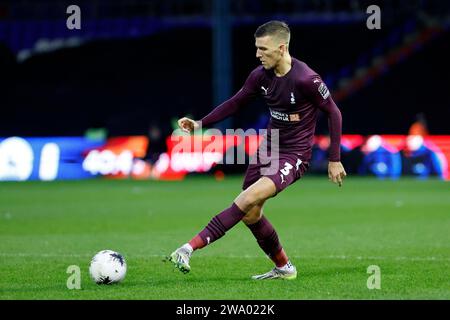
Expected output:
(284, 170)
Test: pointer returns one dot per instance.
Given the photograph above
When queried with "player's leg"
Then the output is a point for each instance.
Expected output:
(290, 170)
(254, 215)
(265, 235)
(261, 190)
(268, 240)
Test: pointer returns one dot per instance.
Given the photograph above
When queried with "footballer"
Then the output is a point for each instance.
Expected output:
(294, 94)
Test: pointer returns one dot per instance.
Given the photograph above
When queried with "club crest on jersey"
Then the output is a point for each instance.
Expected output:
(323, 90)
(292, 98)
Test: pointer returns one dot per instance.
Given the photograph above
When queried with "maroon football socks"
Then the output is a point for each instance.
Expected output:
(267, 238)
(265, 234)
(217, 227)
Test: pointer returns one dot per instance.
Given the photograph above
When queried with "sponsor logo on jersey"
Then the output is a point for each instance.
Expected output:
(279, 115)
(284, 116)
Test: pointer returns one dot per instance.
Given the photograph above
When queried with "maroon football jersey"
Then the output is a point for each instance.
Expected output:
(294, 101)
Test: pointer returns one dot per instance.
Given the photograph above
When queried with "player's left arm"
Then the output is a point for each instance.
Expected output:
(320, 96)
(336, 171)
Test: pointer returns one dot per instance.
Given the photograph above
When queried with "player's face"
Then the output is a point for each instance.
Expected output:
(269, 51)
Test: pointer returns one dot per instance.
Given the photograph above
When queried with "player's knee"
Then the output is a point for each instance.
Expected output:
(253, 216)
(247, 200)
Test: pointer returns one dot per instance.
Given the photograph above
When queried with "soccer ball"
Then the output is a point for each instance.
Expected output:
(108, 267)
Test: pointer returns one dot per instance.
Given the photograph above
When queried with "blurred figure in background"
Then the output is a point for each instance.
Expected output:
(421, 157)
(380, 159)
(419, 127)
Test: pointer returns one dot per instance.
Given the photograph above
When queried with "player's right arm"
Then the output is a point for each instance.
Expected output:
(247, 93)
(188, 125)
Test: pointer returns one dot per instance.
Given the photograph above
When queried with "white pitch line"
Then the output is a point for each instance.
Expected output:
(330, 257)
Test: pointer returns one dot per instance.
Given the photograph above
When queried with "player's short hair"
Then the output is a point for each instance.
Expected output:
(275, 28)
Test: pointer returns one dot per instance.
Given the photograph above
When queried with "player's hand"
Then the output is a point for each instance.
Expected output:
(187, 125)
(336, 172)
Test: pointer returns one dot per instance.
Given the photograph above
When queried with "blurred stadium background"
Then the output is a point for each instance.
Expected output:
(134, 67)
(102, 102)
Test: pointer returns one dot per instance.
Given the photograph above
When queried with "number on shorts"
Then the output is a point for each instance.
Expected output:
(286, 169)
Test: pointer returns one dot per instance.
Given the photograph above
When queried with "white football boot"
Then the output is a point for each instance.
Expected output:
(288, 272)
(180, 259)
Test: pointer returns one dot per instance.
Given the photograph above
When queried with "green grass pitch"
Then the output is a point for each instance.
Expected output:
(331, 234)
